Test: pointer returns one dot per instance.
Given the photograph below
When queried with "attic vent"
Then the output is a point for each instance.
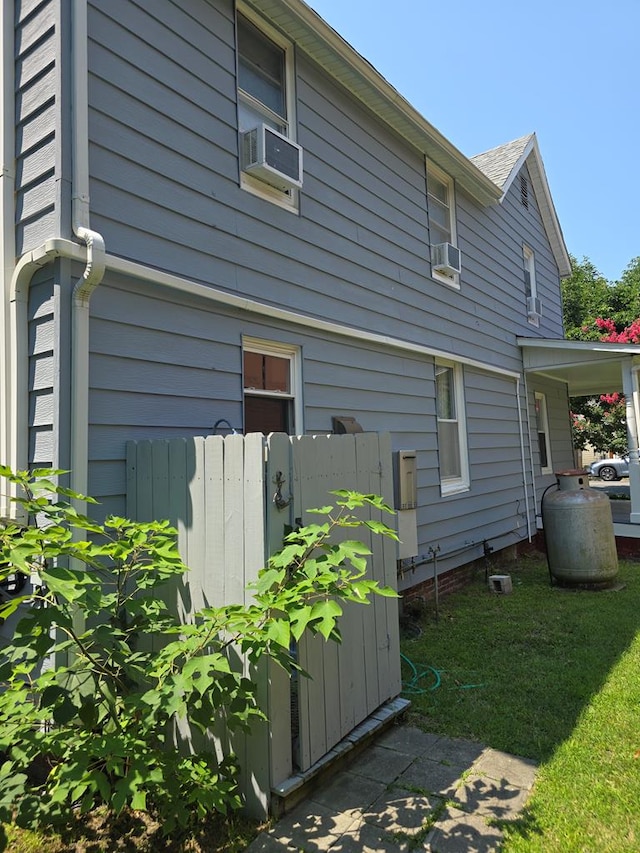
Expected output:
(524, 192)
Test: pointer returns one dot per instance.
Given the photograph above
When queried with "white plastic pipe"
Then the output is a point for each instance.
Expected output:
(94, 270)
(7, 238)
(522, 454)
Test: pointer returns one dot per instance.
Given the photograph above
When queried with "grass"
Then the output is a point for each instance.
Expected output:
(552, 675)
(548, 674)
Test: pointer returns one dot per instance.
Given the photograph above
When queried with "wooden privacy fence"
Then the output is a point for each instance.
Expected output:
(231, 499)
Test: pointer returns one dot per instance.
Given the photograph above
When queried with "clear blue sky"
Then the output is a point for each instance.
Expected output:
(486, 72)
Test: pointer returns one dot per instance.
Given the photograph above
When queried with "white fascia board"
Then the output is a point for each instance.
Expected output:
(579, 346)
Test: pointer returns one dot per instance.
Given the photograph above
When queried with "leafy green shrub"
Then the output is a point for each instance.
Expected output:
(98, 670)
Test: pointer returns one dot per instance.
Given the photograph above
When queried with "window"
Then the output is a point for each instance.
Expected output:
(441, 210)
(271, 393)
(265, 94)
(452, 434)
(542, 426)
(530, 287)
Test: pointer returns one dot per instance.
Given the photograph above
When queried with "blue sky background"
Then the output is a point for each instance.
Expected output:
(484, 72)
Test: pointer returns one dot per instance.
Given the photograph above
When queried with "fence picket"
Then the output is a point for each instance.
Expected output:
(279, 711)
(219, 494)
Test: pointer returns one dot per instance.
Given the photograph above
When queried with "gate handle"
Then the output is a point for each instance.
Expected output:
(278, 500)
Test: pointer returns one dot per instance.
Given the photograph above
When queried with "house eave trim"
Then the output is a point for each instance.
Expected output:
(160, 278)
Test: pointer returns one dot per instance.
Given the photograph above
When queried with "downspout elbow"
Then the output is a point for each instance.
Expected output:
(95, 266)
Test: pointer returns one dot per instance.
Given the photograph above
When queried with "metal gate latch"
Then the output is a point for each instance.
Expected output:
(278, 500)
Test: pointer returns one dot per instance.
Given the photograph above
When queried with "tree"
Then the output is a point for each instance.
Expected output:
(585, 296)
(99, 670)
(600, 423)
(624, 297)
(597, 310)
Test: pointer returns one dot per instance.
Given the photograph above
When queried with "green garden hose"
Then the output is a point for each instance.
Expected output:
(411, 687)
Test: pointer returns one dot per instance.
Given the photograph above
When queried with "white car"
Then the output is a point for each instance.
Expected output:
(610, 469)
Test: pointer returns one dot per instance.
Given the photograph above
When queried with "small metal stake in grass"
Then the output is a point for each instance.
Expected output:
(434, 554)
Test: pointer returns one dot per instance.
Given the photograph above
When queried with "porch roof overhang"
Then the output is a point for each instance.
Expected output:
(587, 367)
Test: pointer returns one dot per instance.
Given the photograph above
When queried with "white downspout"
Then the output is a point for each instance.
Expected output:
(630, 388)
(533, 470)
(94, 270)
(7, 238)
(524, 465)
(14, 370)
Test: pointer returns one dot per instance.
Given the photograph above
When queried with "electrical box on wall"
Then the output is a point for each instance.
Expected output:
(406, 480)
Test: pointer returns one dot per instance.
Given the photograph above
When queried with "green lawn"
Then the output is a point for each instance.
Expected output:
(552, 675)
(544, 673)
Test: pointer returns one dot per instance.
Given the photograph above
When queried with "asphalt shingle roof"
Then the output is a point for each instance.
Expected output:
(497, 164)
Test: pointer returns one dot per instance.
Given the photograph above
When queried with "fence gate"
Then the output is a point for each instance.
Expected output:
(231, 499)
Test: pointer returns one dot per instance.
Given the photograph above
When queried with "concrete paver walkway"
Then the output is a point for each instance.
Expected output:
(409, 791)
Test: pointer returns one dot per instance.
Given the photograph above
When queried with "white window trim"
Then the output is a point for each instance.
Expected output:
(544, 418)
(287, 200)
(293, 354)
(451, 281)
(456, 485)
(529, 260)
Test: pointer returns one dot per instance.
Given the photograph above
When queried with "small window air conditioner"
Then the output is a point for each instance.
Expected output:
(534, 309)
(445, 258)
(272, 157)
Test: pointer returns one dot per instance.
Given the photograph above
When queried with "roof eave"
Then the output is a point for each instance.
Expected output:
(342, 62)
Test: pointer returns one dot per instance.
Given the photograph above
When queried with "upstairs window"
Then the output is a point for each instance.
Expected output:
(533, 306)
(261, 79)
(265, 100)
(271, 394)
(445, 262)
(452, 435)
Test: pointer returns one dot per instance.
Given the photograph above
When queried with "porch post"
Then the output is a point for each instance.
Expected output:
(630, 388)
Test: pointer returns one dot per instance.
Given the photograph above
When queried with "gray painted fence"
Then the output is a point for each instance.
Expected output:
(219, 492)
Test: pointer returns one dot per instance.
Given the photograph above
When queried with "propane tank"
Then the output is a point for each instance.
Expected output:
(578, 529)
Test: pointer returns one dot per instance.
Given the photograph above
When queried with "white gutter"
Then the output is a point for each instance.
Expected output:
(7, 236)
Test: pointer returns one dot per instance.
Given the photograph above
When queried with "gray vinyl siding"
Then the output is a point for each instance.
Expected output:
(38, 151)
(42, 373)
(562, 456)
(177, 366)
(165, 191)
(491, 242)
(49, 374)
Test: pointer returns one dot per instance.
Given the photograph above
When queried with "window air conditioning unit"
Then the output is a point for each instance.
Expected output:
(534, 309)
(272, 157)
(445, 258)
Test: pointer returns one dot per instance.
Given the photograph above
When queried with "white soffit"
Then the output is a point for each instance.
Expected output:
(588, 368)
